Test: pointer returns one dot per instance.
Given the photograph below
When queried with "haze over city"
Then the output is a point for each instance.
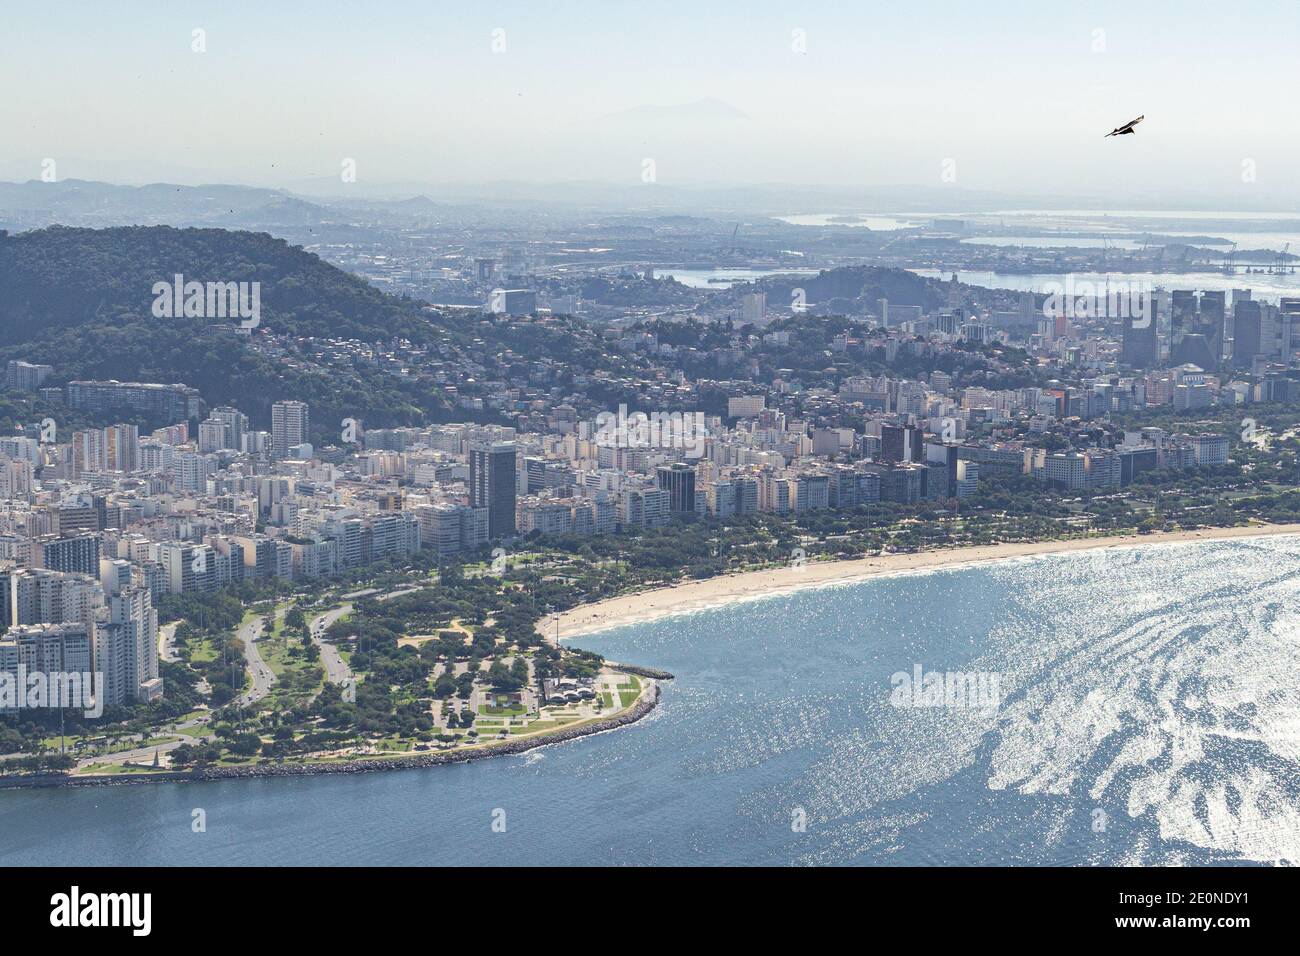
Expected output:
(1016, 96)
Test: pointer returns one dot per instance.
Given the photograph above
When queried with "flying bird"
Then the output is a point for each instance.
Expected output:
(1126, 128)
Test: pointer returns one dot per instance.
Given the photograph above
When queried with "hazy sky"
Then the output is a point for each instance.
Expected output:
(1017, 95)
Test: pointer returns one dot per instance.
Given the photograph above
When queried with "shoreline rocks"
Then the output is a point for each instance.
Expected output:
(640, 671)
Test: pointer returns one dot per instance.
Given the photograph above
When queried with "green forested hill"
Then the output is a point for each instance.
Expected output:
(81, 300)
(59, 278)
(863, 283)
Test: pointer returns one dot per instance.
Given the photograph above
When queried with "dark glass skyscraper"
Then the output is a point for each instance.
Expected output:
(678, 479)
(1139, 338)
(1212, 322)
(1247, 331)
(493, 484)
(900, 443)
(1197, 333)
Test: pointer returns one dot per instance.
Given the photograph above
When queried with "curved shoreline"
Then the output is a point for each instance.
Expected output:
(668, 601)
(697, 595)
(642, 706)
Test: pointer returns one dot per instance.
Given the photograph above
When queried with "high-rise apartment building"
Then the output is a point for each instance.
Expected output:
(289, 425)
(493, 484)
(236, 426)
(753, 307)
(126, 649)
(189, 567)
(164, 404)
(78, 554)
(56, 651)
(25, 377)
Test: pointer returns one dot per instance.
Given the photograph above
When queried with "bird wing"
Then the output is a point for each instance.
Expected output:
(1127, 127)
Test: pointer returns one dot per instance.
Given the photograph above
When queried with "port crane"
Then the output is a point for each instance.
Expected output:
(1229, 261)
(1279, 264)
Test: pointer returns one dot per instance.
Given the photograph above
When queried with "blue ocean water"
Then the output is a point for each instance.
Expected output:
(1148, 712)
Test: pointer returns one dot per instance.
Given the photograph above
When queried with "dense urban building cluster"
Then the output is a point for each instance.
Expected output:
(792, 394)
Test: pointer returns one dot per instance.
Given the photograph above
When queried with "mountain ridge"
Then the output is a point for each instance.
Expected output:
(82, 301)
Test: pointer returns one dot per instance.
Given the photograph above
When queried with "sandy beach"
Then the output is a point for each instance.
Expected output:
(749, 585)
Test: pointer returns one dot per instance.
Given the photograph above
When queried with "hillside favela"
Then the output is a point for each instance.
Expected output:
(606, 480)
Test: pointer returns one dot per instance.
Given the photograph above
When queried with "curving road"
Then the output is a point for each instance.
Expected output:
(263, 678)
(336, 669)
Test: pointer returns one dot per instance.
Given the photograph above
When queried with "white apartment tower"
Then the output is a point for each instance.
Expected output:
(288, 427)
